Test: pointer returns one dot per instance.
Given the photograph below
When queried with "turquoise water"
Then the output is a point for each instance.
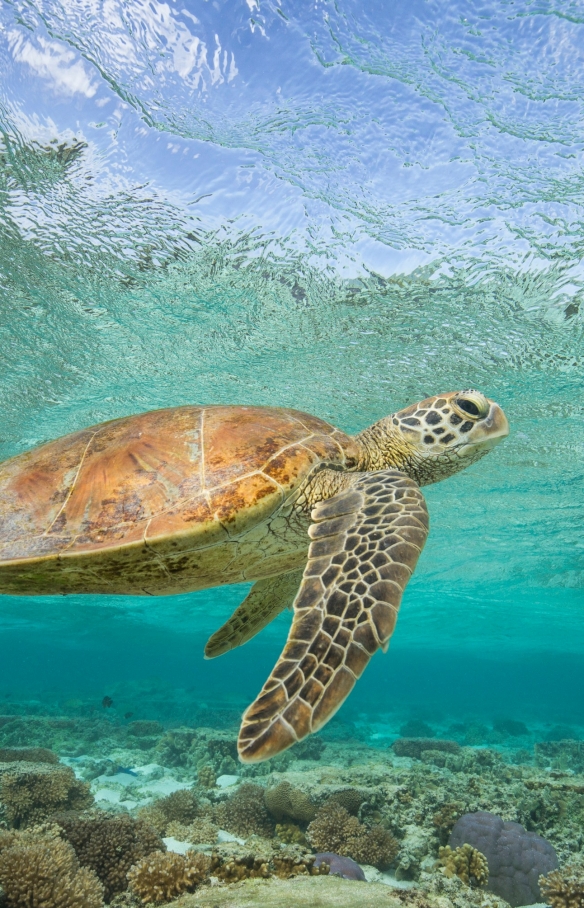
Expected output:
(339, 207)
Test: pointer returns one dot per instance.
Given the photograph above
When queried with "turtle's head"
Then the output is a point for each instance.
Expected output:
(437, 437)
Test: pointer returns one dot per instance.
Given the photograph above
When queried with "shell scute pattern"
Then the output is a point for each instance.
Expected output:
(158, 474)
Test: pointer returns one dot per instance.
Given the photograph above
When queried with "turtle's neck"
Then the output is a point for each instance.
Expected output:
(383, 446)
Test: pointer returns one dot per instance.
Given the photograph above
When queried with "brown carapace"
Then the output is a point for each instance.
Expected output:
(194, 497)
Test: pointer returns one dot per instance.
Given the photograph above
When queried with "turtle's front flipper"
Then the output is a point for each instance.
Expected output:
(365, 545)
(266, 599)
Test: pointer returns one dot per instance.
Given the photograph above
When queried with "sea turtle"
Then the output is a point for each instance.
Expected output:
(191, 497)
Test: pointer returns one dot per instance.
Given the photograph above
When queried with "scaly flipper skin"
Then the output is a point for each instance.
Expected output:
(266, 599)
(366, 541)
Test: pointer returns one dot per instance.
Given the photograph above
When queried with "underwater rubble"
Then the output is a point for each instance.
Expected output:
(95, 811)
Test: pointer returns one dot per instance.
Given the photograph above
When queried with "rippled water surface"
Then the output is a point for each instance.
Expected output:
(337, 206)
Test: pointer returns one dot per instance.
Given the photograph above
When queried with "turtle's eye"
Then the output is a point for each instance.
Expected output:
(472, 404)
(468, 406)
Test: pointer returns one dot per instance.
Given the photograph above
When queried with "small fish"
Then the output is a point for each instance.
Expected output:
(128, 715)
(107, 702)
(126, 770)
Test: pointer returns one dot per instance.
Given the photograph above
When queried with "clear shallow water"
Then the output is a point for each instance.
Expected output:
(327, 206)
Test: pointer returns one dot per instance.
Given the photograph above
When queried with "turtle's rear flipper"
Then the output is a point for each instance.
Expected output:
(365, 545)
(266, 599)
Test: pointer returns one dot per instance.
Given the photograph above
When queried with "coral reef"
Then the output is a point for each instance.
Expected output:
(563, 888)
(373, 845)
(162, 876)
(127, 899)
(178, 807)
(445, 818)
(39, 870)
(286, 801)
(144, 728)
(245, 867)
(109, 845)
(414, 747)
(560, 755)
(332, 828)
(561, 733)
(153, 816)
(472, 734)
(27, 755)
(173, 748)
(349, 798)
(512, 727)
(206, 777)
(416, 728)
(310, 748)
(290, 834)
(62, 734)
(516, 858)
(31, 792)
(465, 862)
(198, 749)
(335, 830)
(338, 865)
(232, 863)
(416, 801)
(244, 813)
(200, 832)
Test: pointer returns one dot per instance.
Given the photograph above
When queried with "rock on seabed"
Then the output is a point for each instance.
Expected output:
(307, 892)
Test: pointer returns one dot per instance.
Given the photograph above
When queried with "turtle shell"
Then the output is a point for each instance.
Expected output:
(146, 488)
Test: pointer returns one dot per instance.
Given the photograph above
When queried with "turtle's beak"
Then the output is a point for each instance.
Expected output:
(488, 432)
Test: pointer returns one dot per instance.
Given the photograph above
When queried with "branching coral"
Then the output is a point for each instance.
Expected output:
(206, 776)
(109, 845)
(244, 813)
(201, 831)
(335, 830)
(178, 807)
(39, 870)
(466, 863)
(173, 748)
(563, 888)
(331, 828)
(164, 876)
(286, 801)
(30, 793)
(242, 868)
(291, 834)
(27, 755)
(373, 845)
(153, 816)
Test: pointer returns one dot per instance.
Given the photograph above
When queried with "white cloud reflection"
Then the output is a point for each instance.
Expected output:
(53, 62)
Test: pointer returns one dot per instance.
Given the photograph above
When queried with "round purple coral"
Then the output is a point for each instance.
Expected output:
(340, 866)
(516, 857)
